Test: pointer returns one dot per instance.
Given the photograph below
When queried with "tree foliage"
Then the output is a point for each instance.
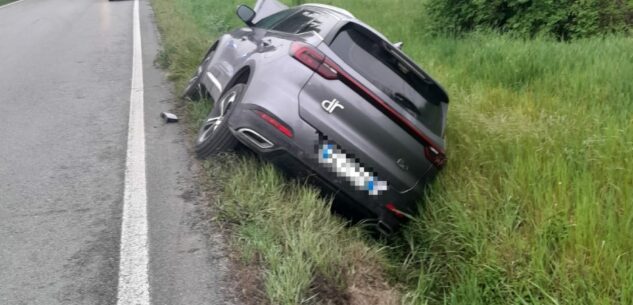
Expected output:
(563, 19)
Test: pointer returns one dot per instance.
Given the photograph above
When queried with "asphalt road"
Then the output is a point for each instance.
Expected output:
(65, 70)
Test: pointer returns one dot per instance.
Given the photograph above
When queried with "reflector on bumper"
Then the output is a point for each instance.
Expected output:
(348, 168)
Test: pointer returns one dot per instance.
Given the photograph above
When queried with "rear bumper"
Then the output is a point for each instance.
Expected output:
(298, 156)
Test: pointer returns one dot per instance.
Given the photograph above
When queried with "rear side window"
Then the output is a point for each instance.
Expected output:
(370, 57)
(272, 20)
(305, 21)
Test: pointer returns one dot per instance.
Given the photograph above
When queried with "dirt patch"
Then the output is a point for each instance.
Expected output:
(250, 283)
(364, 282)
(367, 286)
(326, 292)
(367, 281)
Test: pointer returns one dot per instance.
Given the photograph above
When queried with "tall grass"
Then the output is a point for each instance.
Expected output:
(537, 200)
(536, 204)
(309, 256)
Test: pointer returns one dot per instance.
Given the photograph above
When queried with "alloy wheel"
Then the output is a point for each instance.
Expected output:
(215, 120)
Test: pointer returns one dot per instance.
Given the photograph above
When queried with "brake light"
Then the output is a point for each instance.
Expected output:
(438, 159)
(314, 59)
(321, 64)
(392, 208)
(272, 121)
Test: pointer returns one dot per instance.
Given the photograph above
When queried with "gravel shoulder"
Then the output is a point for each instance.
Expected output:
(188, 257)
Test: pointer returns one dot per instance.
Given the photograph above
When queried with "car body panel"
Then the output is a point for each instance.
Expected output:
(231, 53)
(364, 131)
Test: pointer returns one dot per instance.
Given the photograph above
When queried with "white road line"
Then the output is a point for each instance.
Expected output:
(134, 260)
(9, 4)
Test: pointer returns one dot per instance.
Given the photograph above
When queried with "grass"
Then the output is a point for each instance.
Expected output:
(535, 206)
(3, 2)
(308, 254)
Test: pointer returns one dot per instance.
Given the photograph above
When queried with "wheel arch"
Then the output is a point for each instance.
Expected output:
(213, 47)
(243, 76)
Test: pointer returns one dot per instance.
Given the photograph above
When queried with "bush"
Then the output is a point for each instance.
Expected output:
(563, 19)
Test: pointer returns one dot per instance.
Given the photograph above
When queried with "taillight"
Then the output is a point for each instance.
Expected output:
(272, 121)
(392, 208)
(437, 158)
(314, 59)
(321, 64)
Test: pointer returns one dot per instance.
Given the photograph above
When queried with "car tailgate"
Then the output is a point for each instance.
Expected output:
(363, 132)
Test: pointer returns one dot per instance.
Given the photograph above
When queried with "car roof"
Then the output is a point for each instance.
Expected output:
(344, 16)
(340, 11)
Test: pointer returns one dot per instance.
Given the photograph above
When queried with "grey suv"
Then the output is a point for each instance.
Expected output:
(319, 93)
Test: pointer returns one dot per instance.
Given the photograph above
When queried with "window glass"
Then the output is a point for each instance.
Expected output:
(370, 57)
(273, 19)
(304, 21)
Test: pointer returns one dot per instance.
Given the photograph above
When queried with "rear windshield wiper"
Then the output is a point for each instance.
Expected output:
(403, 61)
(401, 100)
(406, 104)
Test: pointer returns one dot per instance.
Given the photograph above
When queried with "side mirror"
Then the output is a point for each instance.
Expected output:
(246, 14)
(399, 45)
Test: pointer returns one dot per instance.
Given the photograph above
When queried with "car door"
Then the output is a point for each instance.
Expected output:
(265, 8)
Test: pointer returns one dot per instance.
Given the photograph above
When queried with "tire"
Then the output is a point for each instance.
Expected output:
(215, 136)
(195, 91)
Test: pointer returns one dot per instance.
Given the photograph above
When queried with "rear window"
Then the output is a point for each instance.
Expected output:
(370, 57)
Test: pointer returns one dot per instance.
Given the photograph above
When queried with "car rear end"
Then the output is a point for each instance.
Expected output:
(370, 124)
(386, 138)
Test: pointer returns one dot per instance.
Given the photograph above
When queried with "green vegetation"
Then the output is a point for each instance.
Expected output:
(3, 2)
(563, 19)
(308, 254)
(534, 207)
